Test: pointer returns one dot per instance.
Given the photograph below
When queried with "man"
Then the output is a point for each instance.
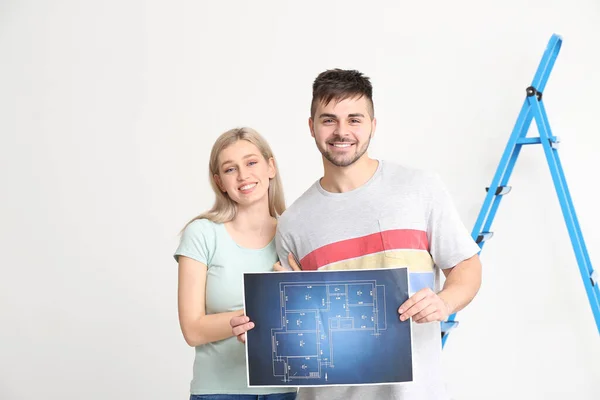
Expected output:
(368, 213)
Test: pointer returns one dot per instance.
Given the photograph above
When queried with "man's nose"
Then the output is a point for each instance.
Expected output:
(343, 129)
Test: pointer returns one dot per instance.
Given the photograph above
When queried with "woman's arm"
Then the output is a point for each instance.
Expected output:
(197, 327)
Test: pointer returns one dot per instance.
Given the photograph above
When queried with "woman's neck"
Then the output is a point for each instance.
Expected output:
(255, 220)
(253, 227)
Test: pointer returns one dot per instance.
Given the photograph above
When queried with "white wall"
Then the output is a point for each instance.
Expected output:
(107, 114)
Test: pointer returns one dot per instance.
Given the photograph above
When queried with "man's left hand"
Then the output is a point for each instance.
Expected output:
(424, 306)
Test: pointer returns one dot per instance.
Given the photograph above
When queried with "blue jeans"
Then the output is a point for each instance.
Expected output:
(274, 396)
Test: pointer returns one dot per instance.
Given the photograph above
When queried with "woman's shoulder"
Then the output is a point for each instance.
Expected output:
(200, 227)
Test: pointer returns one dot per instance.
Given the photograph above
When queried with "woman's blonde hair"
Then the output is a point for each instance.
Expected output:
(225, 209)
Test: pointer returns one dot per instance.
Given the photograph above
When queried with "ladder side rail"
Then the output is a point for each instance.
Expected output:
(547, 63)
(492, 201)
(568, 211)
(522, 124)
(509, 168)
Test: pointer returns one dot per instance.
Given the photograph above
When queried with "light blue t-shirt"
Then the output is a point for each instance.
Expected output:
(220, 367)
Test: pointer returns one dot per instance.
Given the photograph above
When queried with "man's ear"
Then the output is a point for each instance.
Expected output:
(217, 179)
(373, 127)
(311, 126)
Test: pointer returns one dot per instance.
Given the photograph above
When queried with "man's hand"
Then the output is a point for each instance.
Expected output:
(278, 267)
(424, 306)
(239, 326)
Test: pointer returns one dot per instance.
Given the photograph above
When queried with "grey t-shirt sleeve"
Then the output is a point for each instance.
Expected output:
(195, 241)
(450, 242)
(283, 247)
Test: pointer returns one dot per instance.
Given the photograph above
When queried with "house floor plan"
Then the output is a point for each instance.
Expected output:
(312, 316)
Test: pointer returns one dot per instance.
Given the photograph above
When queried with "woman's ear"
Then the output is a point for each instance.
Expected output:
(272, 168)
(217, 179)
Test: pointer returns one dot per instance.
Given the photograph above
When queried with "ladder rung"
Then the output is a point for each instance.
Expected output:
(554, 141)
(532, 140)
(483, 236)
(500, 190)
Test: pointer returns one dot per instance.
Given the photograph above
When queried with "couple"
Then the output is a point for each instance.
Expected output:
(363, 213)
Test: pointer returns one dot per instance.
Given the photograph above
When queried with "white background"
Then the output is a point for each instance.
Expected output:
(108, 111)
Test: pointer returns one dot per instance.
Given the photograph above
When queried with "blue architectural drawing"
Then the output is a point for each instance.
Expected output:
(311, 315)
(341, 328)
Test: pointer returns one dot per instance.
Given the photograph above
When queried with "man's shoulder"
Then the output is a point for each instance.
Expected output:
(401, 173)
(299, 207)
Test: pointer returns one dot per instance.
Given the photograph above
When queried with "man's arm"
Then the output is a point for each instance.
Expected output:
(461, 286)
(455, 252)
(284, 250)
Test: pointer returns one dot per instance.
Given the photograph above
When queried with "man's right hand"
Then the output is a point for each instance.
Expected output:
(239, 326)
(291, 261)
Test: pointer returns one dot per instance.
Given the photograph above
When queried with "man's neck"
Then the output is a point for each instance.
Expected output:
(344, 179)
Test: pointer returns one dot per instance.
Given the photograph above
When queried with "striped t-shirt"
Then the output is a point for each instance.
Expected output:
(399, 217)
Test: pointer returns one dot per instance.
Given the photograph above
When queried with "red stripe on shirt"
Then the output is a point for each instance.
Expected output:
(395, 239)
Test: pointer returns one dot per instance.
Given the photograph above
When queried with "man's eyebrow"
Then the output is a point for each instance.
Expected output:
(327, 116)
(353, 115)
(246, 156)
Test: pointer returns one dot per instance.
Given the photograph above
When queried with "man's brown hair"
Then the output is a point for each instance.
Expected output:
(339, 84)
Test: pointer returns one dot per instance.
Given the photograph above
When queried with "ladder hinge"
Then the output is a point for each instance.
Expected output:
(594, 277)
(531, 91)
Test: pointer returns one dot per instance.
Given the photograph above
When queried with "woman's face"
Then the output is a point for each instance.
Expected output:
(244, 173)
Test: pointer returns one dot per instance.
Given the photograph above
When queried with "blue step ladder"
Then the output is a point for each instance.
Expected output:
(533, 108)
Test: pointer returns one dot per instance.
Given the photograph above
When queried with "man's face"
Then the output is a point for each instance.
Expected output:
(343, 130)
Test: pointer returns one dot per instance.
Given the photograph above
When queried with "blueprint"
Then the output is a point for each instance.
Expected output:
(327, 328)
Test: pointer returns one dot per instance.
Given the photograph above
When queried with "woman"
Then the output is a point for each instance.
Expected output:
(216, 248)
